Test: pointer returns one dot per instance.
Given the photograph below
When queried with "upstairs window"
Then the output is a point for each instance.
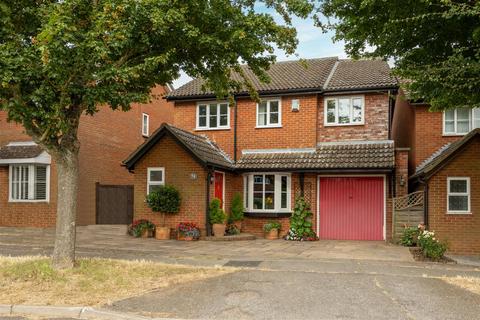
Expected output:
(29, 183)
(155, 179)
(344, 111)
(269, 113)
(460, 121)
(267, 192)
(458, 199)
(212, 116)
(145, 125)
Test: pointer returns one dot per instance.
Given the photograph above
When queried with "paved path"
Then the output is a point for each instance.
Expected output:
(279, 279)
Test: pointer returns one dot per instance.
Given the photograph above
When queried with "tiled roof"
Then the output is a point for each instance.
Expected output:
(201, 147)
(315, 74)
(20, 151)
(351, 155)
(430, 165)
(355, 74)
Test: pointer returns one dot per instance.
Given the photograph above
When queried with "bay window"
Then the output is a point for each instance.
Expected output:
(460, 121)
(213, 115)
(267, 192)
(344, 111)
(29, 182)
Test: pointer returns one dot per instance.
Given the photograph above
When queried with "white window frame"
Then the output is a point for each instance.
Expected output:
(155, 183)
(278, 192)
(467, 194)
(455, 133)
(207, 127)
(337, 98)
(268, 124)
(31, 182)
(145, 128)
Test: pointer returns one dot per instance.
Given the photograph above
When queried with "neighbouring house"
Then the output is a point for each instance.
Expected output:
(28, 182)
(320, 130)
(445, 163)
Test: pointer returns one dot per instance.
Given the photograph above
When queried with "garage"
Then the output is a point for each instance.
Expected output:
(351, 208)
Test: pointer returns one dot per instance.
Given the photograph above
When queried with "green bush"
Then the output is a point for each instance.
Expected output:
(237, 208)
(269, 226)
(301, 222)
(216, 214)
(431, 246)
(409, 237)
(164, 200)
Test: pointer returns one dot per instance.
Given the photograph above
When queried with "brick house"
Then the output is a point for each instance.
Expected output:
(28, 183)
(444, 162)
(322, 131)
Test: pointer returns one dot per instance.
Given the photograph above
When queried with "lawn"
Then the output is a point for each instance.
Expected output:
(33, 281)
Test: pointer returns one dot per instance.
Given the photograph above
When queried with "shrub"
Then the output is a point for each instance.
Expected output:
(409, 236)
(138, 226)
(189, 229)
(164, 200)
(237, 207)
(301, 222)
(232, 229)
(431, 246)
(216, 214)
(269, 226)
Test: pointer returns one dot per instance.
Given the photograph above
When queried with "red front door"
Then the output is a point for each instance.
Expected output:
(219, 186)
(351, 208)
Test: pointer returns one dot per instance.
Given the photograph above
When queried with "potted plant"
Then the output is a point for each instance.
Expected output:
(237, 211)
(166, 199)
(141, 228)
(271, 230)
(217, 218)
(188, 231)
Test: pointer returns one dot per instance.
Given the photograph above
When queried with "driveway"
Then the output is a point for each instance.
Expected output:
(115, 244)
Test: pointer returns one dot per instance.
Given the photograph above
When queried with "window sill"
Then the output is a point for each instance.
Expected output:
(277, 214)
(458, 213)
(268, 127)
(211, 129)
(342, 124)
(28, 201)
(453, 134)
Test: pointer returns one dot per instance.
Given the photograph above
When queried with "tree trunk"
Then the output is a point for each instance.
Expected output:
(67, 175)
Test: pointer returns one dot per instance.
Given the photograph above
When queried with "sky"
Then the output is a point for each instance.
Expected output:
(312, 43)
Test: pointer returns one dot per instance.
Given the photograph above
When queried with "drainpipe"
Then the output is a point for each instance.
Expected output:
(235, 130)
(425, 200)
(208, 227)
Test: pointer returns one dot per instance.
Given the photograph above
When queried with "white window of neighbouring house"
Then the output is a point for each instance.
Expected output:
(458, 197)
(267, 192)
(342, 111)
(269, 113)
(155, 179)
(145, 125)
(460, 121)
(29, 183)
(213, 115)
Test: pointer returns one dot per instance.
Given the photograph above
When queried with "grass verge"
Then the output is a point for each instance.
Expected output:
(93, 282)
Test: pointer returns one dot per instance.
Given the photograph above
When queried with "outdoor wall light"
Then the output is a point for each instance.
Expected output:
(193, 176)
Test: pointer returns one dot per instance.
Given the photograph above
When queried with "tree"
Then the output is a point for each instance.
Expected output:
(435, 44)
(62, 59)
(165, 199)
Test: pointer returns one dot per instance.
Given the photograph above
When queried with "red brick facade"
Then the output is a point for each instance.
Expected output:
(106, 140)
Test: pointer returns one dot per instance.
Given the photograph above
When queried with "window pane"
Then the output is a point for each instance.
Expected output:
(202, 121)
(273, 106)
(258, 200)
(40, 183)
(262, 107)
(213, 116)
(223, 114)
(247, 180)
(273, 118)
(476, 118)
(458, 203)
(262, 119)
(202, 115)
(357, 110)
(269, 200)
(156, 176)
(463, 126)
(343, 110)
(202, 110)
(463, 114)
(331, 111)
(458, 186)
(270, 183)
(450, 126)
(450, 115)
(152, 188)
(283, 203)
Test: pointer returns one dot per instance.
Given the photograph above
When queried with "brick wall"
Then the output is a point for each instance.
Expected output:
(401, 171)
(403, 128)
(178, 166)
(106, 139)
(375, 127)
(461, 231)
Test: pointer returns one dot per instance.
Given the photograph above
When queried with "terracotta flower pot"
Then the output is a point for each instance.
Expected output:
(146, 233)
(218, 230)
(272, 234)
(162, 233)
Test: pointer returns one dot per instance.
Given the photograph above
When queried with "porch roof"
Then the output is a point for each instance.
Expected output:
(23, 152)
(356, 155)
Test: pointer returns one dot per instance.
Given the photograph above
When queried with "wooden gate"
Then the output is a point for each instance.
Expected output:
(408, 211)
(114, 204)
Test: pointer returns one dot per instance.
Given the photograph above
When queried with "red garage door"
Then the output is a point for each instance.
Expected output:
(351, 208)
